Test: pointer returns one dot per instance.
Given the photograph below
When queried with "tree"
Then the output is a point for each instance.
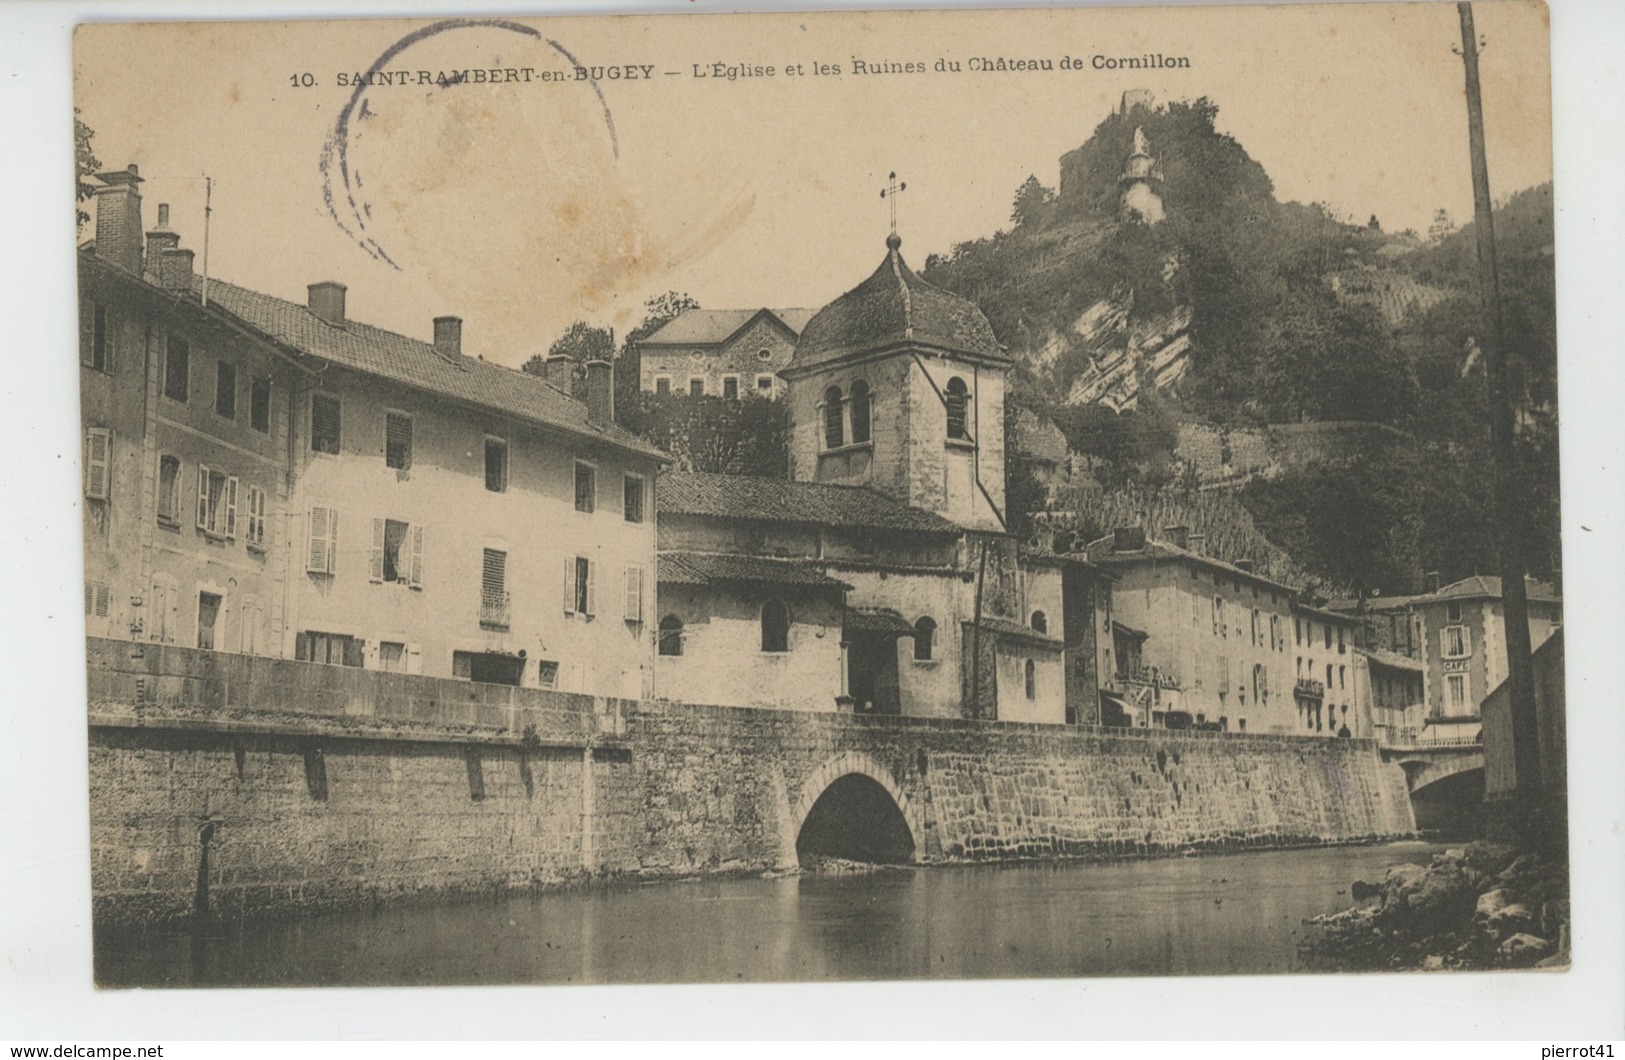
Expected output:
(85, 164)
(1031, 199)
(1441, 227)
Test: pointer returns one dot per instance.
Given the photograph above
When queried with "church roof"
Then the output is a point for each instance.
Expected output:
(779, 500)
(894, 306)
(706, 568)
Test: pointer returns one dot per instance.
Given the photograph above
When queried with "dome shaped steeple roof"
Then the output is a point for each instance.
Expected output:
(891, 308)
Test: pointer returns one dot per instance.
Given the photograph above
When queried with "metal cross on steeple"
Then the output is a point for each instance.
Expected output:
(891, 191)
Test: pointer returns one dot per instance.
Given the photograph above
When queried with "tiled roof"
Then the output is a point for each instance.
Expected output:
(779, 500)
(1475, 587)
(706, 568)
(1392, 659)
(373, 351)
(877, 620)
(1100, 551)
(708, 327)
(1005, 629)
(892, 306)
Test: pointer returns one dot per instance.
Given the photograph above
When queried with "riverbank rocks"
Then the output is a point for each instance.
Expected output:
(1486, 905)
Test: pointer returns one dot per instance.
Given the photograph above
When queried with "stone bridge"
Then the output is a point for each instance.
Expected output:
(300, 785)
(1427, 764)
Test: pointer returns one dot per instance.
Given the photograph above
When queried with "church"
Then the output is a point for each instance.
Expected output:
(880, 577)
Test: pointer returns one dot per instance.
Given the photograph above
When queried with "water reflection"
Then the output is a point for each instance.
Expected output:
(1239, 913)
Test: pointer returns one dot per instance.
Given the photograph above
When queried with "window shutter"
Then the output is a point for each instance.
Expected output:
(569, 585)
(324, 529)
(231, 507)
(98, 449)
(592, 587)
(376, 571)
(634, 593)
(174, 613)
(416, 577)
(202, 497)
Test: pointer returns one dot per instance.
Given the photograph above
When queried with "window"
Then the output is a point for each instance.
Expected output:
(397, 440)
(925, 632)
(321, 557)
(1219, 628)
(163, 605)
(730, 387)
(671, 636)
(1040, 622)
(1457, 644)
(259, 405)
(1261, 682)
(696, 386)
(256, 517)
(496, 465)
(1297, 631)
(397, 553)
(775, 626)
(392, 657)
(632, 507)
(225, 390)
(1452, 612)
(1455, 693)
(662, 385)
(325, 415)
(634, 593)
(494, 589)
(1342, 672)
(208, 614)
(586, 487)
(834, 435)
(764, 384)
(177, 369)
(169, 490)
(764, 354)
(1328, 677)
(1030, 679)
(860, 412)
(956, 409)
(216, 502)
(98, 463)
(547, 673)
(1341, 649)
(1328, 630)
(580, 586)
(97, 352)
(333, 649)
(96, 599)
(1255, 624)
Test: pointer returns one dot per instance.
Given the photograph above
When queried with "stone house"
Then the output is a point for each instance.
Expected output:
(376, 501)
(1326, 680)
(1458, 634)
(722, 352)
(185, 433)
(1199, 642)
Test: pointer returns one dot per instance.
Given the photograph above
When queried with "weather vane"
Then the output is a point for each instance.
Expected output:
(891, 191)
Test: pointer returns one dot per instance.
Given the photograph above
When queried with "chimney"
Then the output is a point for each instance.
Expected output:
(118, 218)
(326, 300)
(175, 270)
(600, 391)
(448, 336)
(1431, 578)
(560, 371)
(1196, 541)
(1178, 536)
(1128, 539)
(1244, 565)
(160, 239)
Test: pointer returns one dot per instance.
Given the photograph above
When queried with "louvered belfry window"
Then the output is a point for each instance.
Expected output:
(834, 434)
(955, 398)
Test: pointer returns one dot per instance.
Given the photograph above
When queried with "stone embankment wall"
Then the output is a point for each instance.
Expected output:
(329, 786)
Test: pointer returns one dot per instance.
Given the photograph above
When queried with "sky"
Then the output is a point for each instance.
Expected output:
(524, 206)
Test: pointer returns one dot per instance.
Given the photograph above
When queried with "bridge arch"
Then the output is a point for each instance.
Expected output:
(852, 807)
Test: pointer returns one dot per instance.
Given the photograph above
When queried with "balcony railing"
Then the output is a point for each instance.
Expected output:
(1152, 676)
(1309, 688)
(493, 609)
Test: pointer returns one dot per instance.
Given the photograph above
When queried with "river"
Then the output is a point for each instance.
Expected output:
(1218, 914)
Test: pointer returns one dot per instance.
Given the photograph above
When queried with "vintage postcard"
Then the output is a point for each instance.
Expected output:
(821, 496)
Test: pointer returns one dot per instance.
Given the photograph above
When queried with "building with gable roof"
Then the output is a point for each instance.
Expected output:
(722, 352)
(896, 495)
(363, 498)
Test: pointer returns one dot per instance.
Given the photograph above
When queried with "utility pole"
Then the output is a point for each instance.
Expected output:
(1514, 597)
